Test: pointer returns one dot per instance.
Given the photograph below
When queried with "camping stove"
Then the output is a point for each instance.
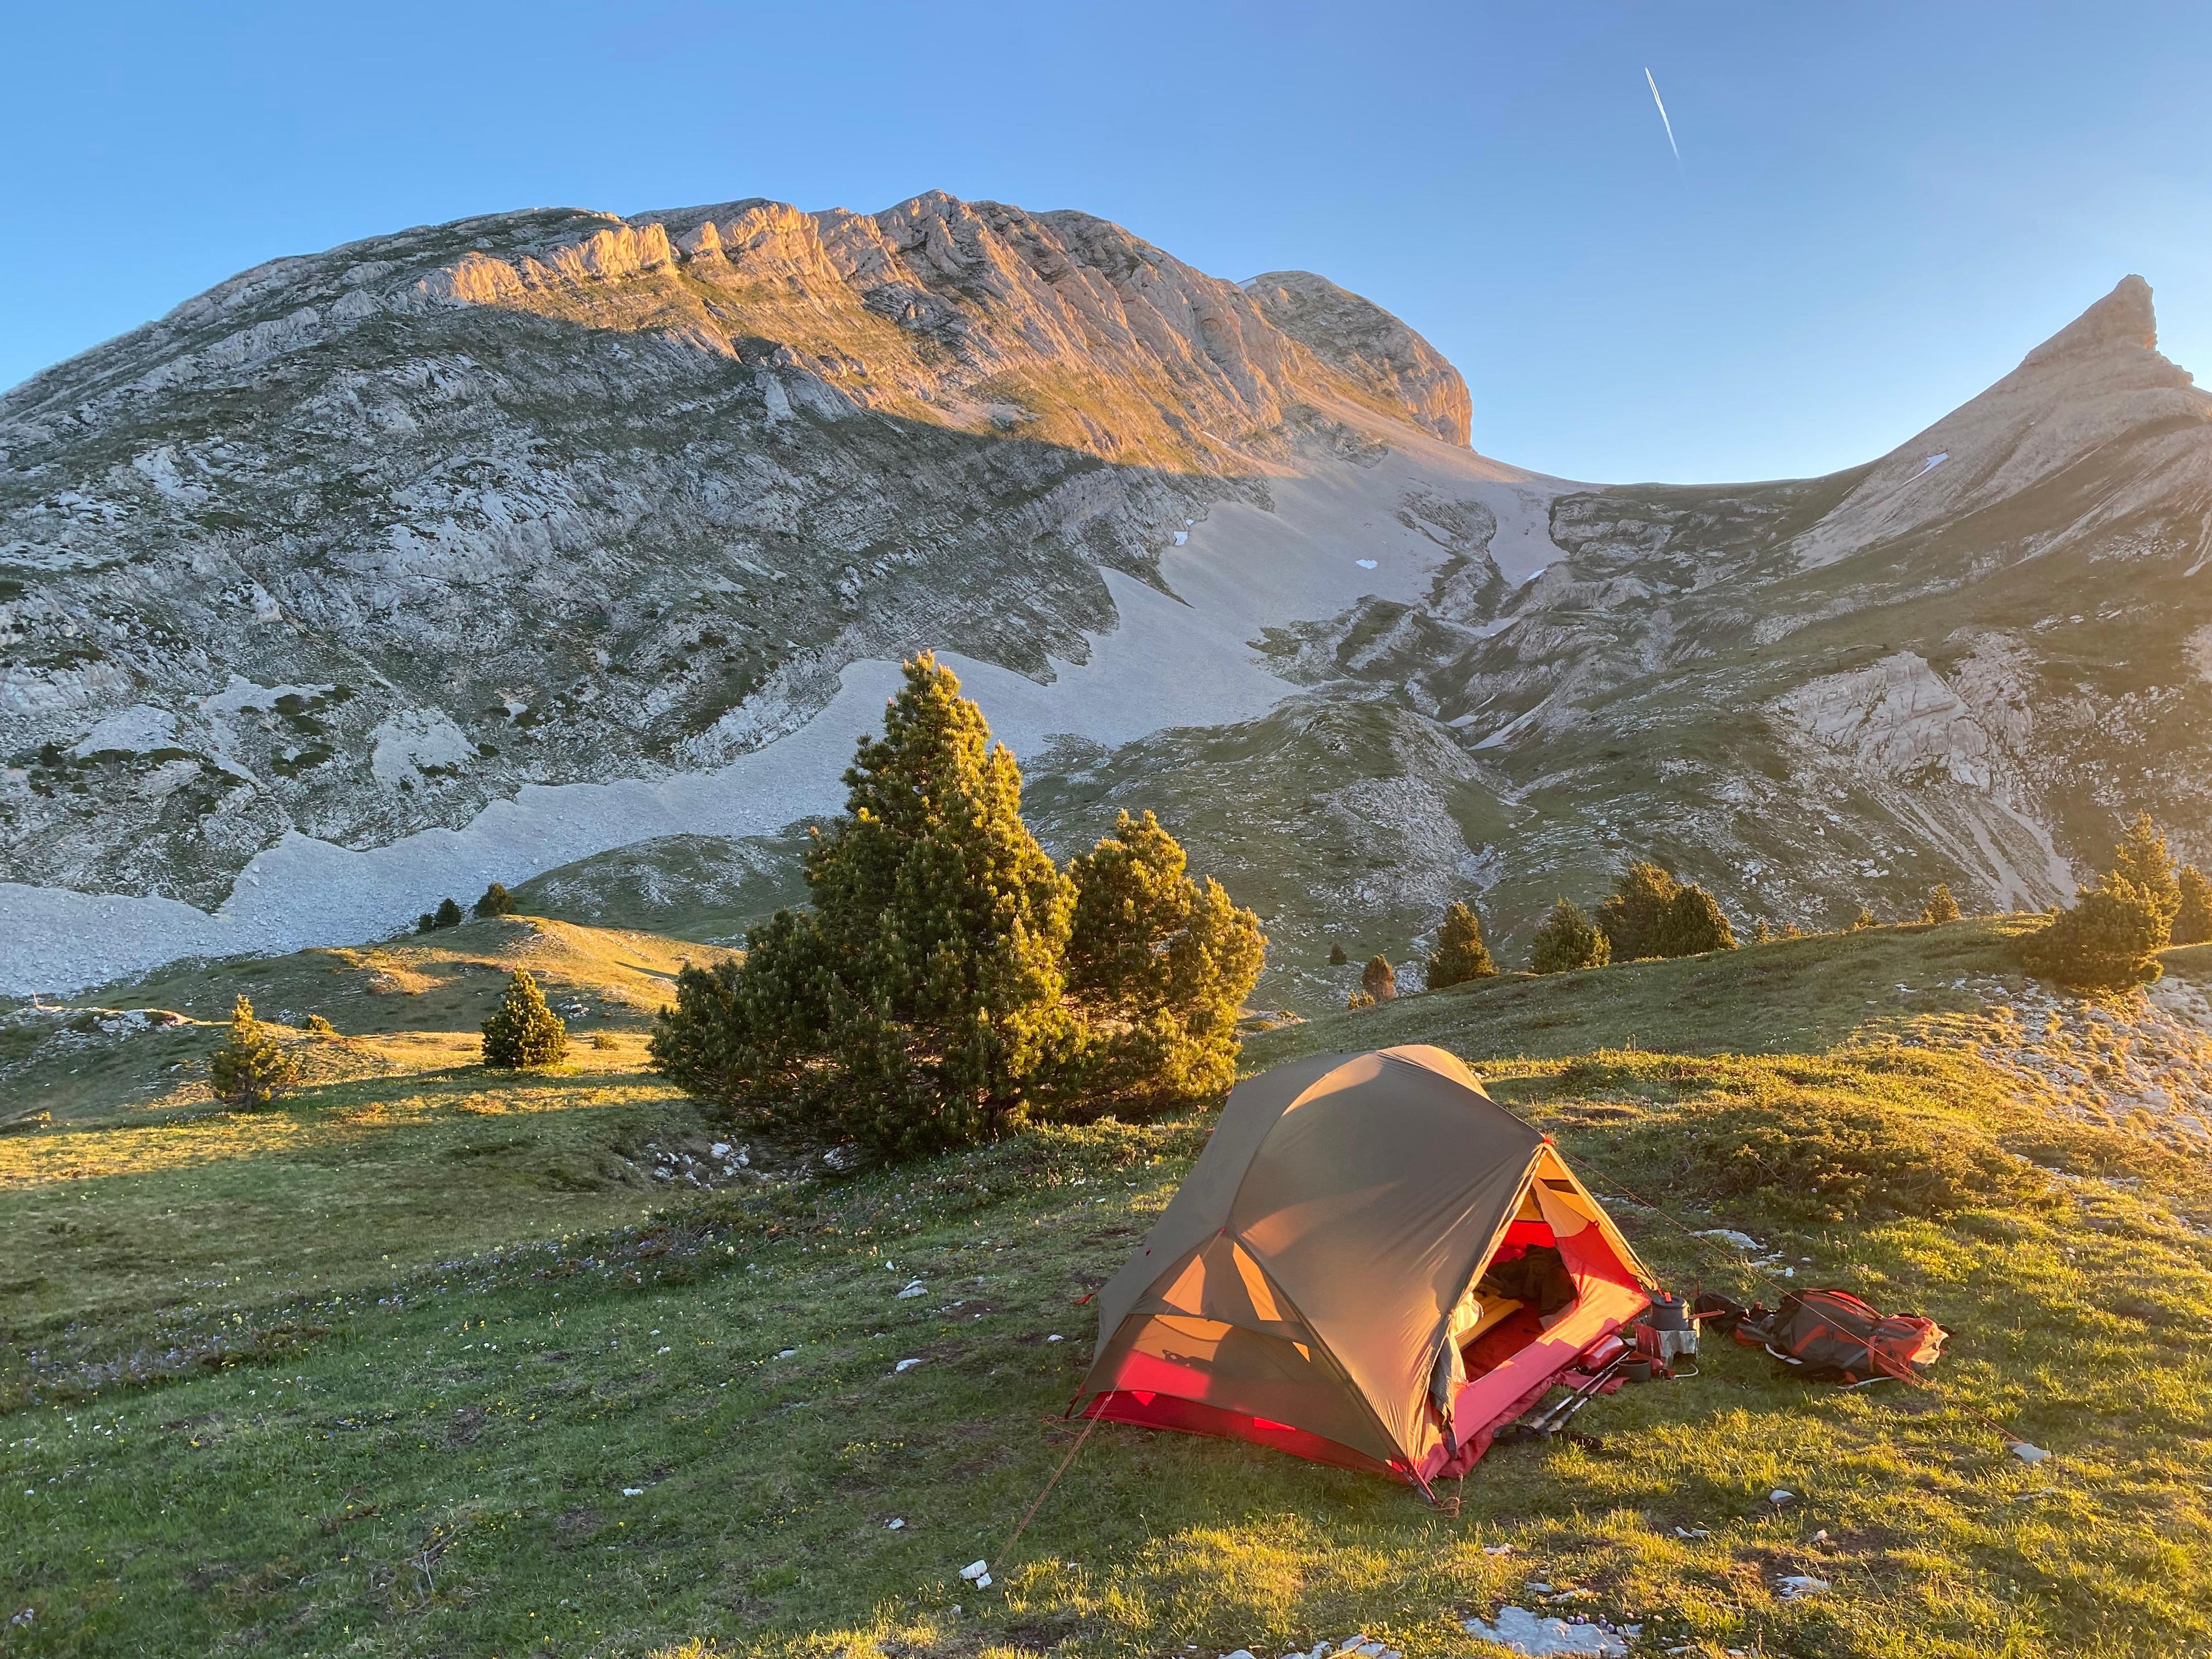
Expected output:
(1666, 1331)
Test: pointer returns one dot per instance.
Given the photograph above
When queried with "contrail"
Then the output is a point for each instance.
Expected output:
(1663, 121)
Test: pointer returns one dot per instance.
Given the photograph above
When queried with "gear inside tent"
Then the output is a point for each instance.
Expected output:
(1372, 1264)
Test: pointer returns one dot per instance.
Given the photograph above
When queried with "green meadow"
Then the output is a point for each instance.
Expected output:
(428, 1360)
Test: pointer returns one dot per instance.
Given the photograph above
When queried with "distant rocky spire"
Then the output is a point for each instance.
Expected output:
(2123, 318)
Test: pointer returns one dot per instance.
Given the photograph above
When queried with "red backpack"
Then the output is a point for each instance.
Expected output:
(1832, 1333)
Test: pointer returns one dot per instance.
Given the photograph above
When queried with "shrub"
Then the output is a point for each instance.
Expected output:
(425, 922)
(1337, 958)
(2141, 860)
(1461, 954)
(1941, 906)
(1358, 999)
(2108, 941)
(1652, 914)
(1631, 918)
(496, 901)
(250, 1068)
(318, 1026)
(1693, 924)
(2192, 919)
(1567, 939)
(949, 982)
(1837, 1154)
(1379, 980)
(1863, 921)
(602, 1040)
(448, 915)
(1159, 967)
(522, 1031)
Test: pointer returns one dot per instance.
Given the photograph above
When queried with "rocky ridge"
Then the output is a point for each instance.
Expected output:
(484, 549)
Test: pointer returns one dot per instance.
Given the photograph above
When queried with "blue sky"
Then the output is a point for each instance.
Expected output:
(1879, 208)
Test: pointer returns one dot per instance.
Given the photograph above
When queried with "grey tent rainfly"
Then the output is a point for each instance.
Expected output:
(1372, 1264)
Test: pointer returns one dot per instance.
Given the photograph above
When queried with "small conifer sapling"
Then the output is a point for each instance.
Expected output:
(522, 1031)
(251, 1068)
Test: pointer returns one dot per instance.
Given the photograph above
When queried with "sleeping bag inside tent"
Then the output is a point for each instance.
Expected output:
(1372, 1264)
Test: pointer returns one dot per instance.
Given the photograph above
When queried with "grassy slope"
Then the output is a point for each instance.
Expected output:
(412, 1453)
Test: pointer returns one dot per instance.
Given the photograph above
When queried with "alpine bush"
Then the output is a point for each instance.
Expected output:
(1567, 939)
(1157, 968)
(1651, 914)
(2192, 919)
(251, 1068)
(1941, 906)
(496, 901)
(1461, 954)
(2108, 941)
(522, 1031)
(1379, 980)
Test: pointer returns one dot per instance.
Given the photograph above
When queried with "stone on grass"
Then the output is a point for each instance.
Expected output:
(1532, 1634)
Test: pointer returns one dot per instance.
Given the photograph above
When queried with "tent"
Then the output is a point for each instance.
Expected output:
(1360, 1270)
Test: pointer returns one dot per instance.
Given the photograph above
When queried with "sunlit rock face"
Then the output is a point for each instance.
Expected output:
(496, 548)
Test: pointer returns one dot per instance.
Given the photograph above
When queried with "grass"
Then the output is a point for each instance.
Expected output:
(451, 1410)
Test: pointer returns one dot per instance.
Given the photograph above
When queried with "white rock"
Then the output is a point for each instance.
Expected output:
(2029, 1454)
(1733, 1239)
(1778, 1496)
(896, 1524)
(632, 1491)
(1530, 1633)
(1055, 1337)
(975, 1570)
(1795, 1587)
(917, 1288)
(1497, 1549)
(904, 1365)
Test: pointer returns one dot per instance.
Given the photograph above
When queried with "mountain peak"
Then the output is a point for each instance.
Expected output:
(2123, 318)
(1379, 353)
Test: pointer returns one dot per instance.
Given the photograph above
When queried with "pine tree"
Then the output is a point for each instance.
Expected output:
(448, 915)
(496, 901)
(250, 1068)
(1567, 939)
(1159, 967)
(921, 1001)
(2109, 940)
(1941, 906)
(1461, 954)
(1693, 924)
(1651, 914)
(2192, 921)
(1337, 958)
(522, 1031)
(2141, 860)
(1633, 918)
(1379, 979)
(1762, 934)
